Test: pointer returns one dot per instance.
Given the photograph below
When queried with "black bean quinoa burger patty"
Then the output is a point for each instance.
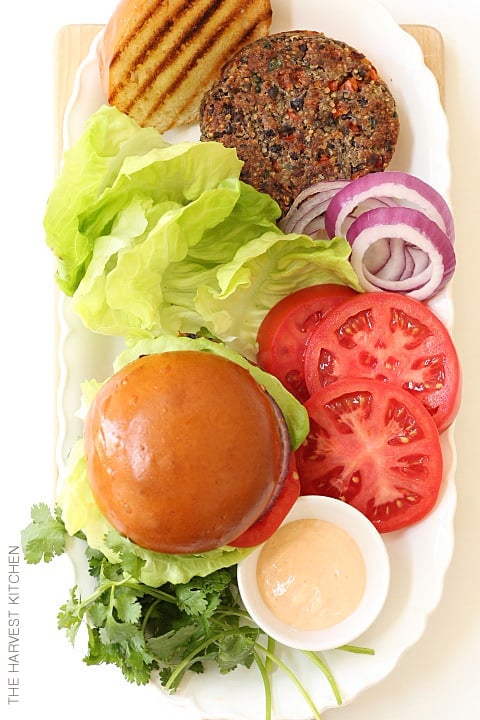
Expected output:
(301, 107)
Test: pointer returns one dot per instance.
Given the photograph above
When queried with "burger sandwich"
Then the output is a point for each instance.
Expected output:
(186, 454)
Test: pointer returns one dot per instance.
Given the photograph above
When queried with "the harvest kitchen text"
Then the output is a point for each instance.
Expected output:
(13, 623)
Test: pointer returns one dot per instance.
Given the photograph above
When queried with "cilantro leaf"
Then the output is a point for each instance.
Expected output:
(172, 644)
(191, 600)
(98, 613)
(96, 560)
(202, 595)
(131, 563)
(70, 615)
(114, 632)
(237, 648)
(45, 536)
(128, 652)
(127, 605)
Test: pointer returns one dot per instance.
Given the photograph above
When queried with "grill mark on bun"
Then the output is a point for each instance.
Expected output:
(136, 32)
(145, 45)
(164, 62)
(182, 43)
(176, 84)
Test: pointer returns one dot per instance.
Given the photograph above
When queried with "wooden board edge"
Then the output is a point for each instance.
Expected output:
(72, 44)
(432, 45)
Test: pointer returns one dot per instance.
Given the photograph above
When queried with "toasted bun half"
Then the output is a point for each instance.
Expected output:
(157, 58)
(184, 451)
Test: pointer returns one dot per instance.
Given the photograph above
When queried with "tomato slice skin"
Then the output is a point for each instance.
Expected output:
(391, 337)
(282, 335)
(374, 446)
(271, 520)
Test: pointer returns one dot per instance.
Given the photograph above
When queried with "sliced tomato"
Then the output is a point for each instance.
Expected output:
(374, 446)
(282, 335)
(271, 520)
(390, 337)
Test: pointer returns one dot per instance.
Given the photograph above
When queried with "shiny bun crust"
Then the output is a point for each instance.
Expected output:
(156, 59)
(184, 451)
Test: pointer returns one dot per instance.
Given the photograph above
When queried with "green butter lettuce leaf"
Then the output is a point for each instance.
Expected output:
(262, 272)
(122, 290)
(80, 512)
(115, 162)
(89, 167)
(153, 238)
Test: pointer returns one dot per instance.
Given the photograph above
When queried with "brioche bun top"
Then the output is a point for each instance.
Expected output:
(156, 59)
(184, 451)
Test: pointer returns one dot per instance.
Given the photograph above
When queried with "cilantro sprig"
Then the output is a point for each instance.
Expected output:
(165, 631)
(46, 536)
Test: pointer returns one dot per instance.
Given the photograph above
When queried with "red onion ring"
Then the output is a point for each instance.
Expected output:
(417, 260)
(309, 204)
(396, 263)
(413, 252)
(404, 229)
(388, 185)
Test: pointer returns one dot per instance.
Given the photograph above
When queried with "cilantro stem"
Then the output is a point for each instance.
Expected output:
(357, 649)
(271, 657)
(327, 672)
(146, 618)
(234, 613)
(147, 590)
(293, 678)
(271, 648)
(101, 589)
(266, 685)
(181, 667)
(126, 582)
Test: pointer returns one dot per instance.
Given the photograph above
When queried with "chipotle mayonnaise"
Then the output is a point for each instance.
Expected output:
(311, 574)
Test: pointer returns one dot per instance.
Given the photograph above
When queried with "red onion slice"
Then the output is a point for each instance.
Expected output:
(313, 216)
(417, 260)
(394, 268)
(316, 228)
(406, 285)
(409, 268)
(311, 200)
(410, 229)
(388, 185)
(377, 256)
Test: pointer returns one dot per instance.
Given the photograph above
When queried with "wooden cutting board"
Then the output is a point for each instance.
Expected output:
(73, 43)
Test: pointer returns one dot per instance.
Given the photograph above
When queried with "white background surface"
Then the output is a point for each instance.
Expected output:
(438, 679)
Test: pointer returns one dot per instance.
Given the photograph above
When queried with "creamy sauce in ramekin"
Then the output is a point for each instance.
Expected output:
(311, 574)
